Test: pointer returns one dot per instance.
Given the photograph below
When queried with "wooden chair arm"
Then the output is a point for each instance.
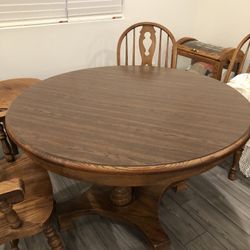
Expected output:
(12, 191)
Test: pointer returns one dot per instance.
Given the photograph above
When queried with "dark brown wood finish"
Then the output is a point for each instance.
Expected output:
(128, 127)
(232, 175)
(142, 212)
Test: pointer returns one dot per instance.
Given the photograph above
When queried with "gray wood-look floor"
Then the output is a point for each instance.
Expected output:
(214, 213)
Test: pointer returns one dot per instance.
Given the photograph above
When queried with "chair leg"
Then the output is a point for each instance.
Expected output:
(5, 145)
(14, 244)
(14, 147)
(180, 186)
(52, 237)
(12, 144)
(232, 175)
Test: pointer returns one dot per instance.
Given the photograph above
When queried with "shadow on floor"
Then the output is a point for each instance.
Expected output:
(212, 214)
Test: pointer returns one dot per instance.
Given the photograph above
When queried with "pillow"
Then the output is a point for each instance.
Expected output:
(201, 68)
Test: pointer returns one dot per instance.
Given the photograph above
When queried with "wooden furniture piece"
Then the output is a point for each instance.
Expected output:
(9, 90)
(147, 43)
(243, 47)
(218, 57)
(244, 66)
(26, 202)
(132, 131)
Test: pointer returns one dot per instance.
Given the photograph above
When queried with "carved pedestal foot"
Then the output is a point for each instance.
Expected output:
(141, 211)
(53, 238)
(232, 175)
(153, 231)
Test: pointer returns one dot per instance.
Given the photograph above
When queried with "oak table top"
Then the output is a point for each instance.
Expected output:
(143, 127)
(128, 118)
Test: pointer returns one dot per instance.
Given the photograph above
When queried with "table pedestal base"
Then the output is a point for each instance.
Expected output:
(141, 212)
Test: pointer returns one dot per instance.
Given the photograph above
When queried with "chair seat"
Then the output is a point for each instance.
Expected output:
(10, 89)
(37, 206)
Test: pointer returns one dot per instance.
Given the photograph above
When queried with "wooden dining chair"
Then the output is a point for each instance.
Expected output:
(9, 90)
(26, 203)
(244, 66)
(147, 43)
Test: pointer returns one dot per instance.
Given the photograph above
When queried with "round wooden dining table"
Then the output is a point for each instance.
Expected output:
(133, 132)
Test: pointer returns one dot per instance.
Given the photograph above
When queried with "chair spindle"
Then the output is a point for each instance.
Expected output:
(5, 145)
(133, 62)
(10, 215)
(142, 39)
(126, 56)
(159, 56)
(167, 52)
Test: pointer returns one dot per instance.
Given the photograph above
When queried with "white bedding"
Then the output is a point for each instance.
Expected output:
(241, 83)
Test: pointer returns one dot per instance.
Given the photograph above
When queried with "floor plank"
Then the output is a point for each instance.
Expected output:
(177, 220)
(222, 196)
(212, 214)
(204, 242)
(217, 224)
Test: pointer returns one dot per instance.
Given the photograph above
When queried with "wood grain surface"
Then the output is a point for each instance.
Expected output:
(147, 43)
(10, 89)
(129, 121)
(212, 214)
(37, 206)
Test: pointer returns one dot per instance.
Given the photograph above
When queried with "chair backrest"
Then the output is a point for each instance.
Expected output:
(244, 64)
(138, 45)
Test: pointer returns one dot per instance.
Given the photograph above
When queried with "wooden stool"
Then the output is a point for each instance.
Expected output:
(9, 90)
(26, 202)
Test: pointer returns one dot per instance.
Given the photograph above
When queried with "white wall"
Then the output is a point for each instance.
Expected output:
(222, 22)
(48, 50)
(45, 51)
